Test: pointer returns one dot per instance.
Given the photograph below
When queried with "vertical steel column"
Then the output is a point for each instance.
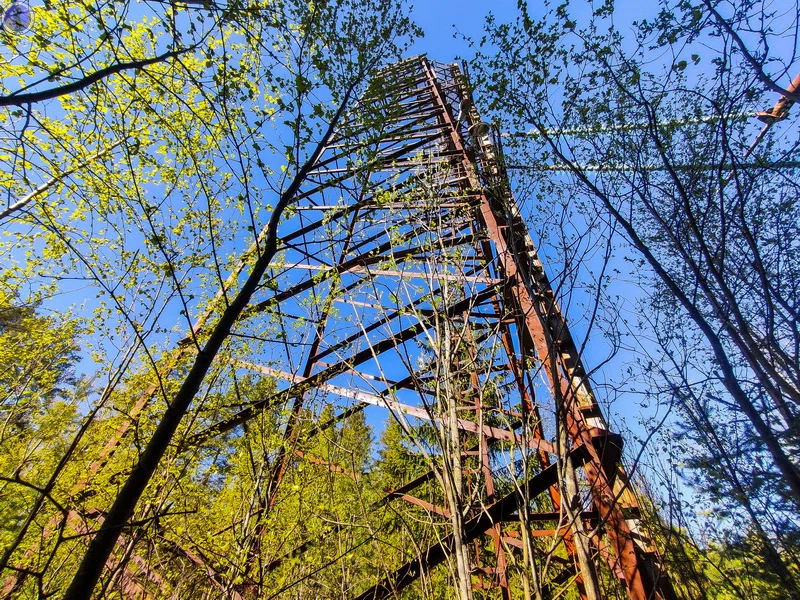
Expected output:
(546, 333)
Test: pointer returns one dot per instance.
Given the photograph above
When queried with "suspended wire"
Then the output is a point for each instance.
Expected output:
(780, 164)
(630, 126)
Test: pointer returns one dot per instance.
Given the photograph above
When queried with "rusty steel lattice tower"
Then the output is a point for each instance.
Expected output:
(427, 298)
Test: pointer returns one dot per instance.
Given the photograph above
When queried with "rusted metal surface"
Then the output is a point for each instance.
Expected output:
(423, 208)
(781, 109)
(407, 222)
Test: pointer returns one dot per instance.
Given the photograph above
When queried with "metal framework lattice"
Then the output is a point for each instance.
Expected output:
(412, 259)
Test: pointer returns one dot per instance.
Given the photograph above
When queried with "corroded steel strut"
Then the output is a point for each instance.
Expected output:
(406, 235)
(544, 336)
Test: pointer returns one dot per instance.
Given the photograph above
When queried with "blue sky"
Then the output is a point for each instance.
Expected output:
(441, 19)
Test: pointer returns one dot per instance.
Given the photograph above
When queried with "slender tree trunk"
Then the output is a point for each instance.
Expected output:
(572, 504)
(453, 475)
(103, 542)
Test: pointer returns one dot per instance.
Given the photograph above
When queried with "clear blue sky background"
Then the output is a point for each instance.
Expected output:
(441, 19)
